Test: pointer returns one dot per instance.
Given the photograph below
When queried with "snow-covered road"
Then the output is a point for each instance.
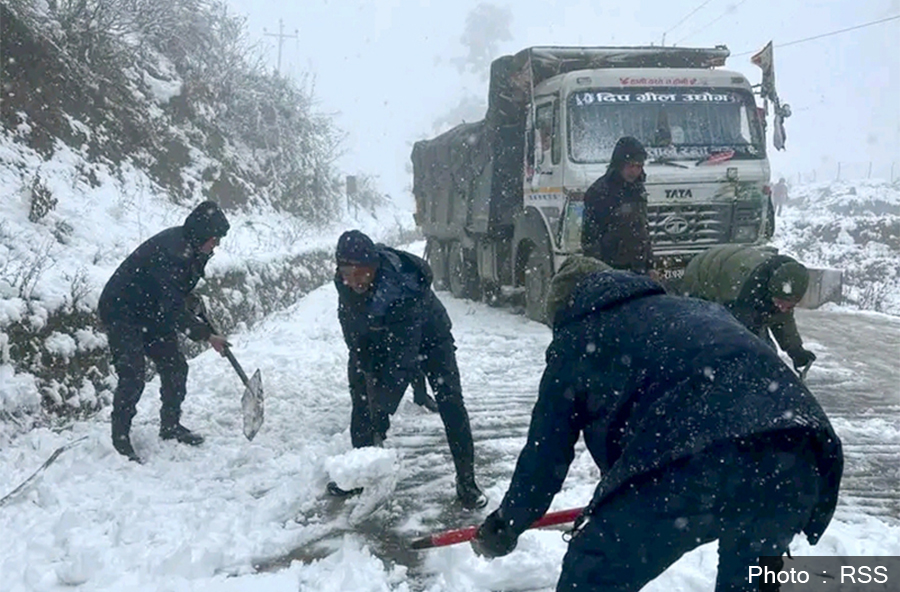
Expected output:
(857, 379)
(200, 519)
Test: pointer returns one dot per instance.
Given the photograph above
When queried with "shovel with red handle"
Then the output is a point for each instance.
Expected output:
(453, 537)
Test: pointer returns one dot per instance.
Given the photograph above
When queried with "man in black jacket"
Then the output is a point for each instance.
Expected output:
(615, 229)
(143, 306)
(699, 431)
(396, 329)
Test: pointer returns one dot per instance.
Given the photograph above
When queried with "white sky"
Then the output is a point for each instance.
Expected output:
(384, 67)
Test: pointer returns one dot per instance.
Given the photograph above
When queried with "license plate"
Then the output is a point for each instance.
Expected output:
(672, 274)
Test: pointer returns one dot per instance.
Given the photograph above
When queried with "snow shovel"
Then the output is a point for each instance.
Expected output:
(252, 400)
(454, 537)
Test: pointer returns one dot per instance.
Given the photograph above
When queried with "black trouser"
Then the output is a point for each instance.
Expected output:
(753, 499)
(438, 363)
(129, 345)
(420, 393)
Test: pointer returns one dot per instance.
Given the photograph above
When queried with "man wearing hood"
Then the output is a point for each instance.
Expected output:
(396, 329)
(615, 228)
(143, 306)
(699, 431)
(760, 288)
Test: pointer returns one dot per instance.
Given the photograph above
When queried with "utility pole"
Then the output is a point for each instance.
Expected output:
(281, 37)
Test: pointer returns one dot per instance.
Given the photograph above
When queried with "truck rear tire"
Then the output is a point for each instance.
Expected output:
(462, 274)
(537, 281)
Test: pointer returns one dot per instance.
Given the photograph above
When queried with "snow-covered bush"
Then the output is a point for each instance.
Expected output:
(116, 118)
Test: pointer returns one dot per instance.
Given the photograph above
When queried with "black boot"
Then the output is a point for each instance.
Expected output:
(180, 433)
(462, 448)
(122, 444)
(121, 428)
(469, 496)
(467, 492)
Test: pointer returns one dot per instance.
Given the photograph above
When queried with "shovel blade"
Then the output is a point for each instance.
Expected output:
(252, 406)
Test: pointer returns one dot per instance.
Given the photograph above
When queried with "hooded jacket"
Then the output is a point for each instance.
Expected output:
(386, 328)
(648, 379)
(150, 287)
(616, 229)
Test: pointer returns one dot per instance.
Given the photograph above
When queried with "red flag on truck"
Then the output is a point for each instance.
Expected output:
(766, 62)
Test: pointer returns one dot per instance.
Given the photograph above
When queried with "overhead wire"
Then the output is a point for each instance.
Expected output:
(686, 17)
(829, 34)
(730, 10)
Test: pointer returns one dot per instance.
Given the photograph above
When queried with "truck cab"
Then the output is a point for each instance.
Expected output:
(707, 171)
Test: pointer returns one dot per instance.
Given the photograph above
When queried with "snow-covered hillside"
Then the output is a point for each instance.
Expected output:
(849, 225)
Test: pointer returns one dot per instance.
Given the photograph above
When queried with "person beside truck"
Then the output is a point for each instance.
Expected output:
(759, 287)
(616, 230)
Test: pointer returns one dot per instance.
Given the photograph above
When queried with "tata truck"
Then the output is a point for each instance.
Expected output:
(501, 200)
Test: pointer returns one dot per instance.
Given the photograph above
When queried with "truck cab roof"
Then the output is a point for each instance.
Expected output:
(644, 77)
(515, 77)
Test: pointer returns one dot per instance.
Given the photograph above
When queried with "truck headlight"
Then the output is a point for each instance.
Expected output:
(745, 234)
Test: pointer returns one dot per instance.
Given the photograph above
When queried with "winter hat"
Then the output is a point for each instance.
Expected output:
(355, 248)
(789, 281)
(627, 149)
(205, 222)
(571, 272)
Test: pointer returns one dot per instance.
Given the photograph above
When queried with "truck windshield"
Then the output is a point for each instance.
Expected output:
(674, 123)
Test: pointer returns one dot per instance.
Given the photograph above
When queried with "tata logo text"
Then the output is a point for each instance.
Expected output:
(675, 193)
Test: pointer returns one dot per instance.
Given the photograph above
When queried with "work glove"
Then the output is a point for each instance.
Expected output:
(495, 537)
(802, 358)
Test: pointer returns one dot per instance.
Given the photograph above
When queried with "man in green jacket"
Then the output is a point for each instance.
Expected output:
(759, 287)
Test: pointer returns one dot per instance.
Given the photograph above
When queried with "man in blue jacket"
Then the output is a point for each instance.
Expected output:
(699, 431)
(396, 329)
(143, 306)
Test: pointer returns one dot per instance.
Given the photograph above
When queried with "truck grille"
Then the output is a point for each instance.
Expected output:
(695, 227)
